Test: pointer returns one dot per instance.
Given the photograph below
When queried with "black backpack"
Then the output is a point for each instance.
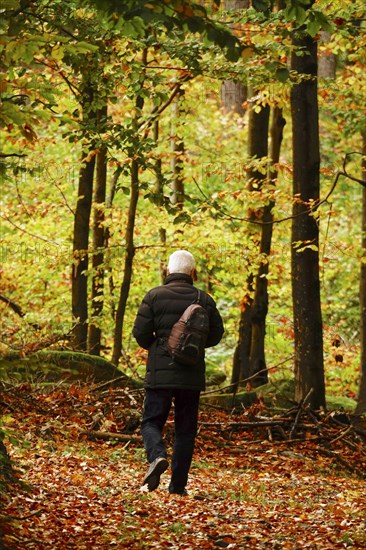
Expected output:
(187, 339)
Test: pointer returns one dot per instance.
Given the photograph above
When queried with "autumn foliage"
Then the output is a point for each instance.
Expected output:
(293, 480)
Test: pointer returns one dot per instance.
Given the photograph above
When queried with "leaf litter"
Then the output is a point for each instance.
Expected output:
(257, 481)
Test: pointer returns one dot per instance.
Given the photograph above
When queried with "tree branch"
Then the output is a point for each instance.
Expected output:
(310, 210)
(156, 112)
(17, 309)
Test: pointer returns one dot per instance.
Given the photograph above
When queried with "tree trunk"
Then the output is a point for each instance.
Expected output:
(177, 147)
(257, 363)
(95, 332)
(309, 366)
(79, 276)
(159, 191)
(257, 149)
(129, 255)
(79, 280)
(129, 234)
(107, 236)
(234, 93)
(361, 401)
(327, 62)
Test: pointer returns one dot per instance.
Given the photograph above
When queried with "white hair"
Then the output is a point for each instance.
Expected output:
(181, 261)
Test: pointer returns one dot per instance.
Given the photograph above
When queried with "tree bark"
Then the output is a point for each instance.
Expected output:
(234, 93)
(128, 264)
(257, 362)
(177, 147)
(95, 332)
(107, 236)
(257, 149)
(159, 191)
(79, 280)
(309, 366)
(79, 276)
(129, 234)
(327, 63)
(361, 400)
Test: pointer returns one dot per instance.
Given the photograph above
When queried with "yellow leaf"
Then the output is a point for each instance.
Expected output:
(247, 53)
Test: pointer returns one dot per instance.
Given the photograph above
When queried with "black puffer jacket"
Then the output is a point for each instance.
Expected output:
(159, 310)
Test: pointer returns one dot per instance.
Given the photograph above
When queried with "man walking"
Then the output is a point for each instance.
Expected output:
(167, 380)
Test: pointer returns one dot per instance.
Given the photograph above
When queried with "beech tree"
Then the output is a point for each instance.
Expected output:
(308, 330)
(257, 150)
(233, 92)
(361, 400)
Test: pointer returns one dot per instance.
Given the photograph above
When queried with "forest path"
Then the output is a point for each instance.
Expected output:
(245, 491)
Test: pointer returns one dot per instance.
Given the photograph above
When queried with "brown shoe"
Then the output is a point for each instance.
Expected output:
(152, 476)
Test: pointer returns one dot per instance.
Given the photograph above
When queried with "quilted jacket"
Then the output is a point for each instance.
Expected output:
(160, 309)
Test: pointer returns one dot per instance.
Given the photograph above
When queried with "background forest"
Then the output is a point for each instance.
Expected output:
(132, 129)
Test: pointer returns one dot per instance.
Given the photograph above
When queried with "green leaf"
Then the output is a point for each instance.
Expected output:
(282, 74)
(195, 24)
(183, 217)
(10, 5)
(84, 47)
(313, 27)
(232, 54)
(261, 5)
(295, 13)
(323, 21)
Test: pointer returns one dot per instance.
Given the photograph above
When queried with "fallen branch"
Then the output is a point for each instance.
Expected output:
(300, 410)
(246, 380)
(342, 435)
(111, 435)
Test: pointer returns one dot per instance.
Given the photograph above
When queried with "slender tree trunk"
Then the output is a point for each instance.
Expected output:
(94, 341)
(327, 63)
(260, 302)
(79, 280)
(159, 191)
(128, 264)
(107, 236)
(234, 93)
(79, 276)
(361, 401)
(257, 149)
(309, 366)
(233, 96)
(129, 236)
(177, 147)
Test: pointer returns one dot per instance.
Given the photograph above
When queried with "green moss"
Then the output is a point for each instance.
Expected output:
(58, 365)
(341, 403)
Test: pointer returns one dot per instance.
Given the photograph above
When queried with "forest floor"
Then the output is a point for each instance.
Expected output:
(290, 481)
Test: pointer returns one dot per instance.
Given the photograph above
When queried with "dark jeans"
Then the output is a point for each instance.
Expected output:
(157, 405)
